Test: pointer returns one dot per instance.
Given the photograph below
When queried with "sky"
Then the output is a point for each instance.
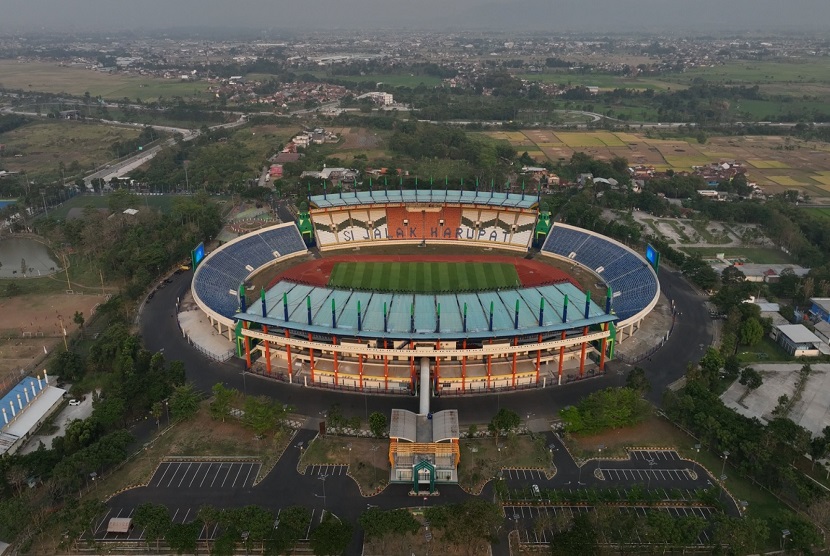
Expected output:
(659, 16)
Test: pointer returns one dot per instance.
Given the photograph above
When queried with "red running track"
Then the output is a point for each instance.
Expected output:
(318, 272)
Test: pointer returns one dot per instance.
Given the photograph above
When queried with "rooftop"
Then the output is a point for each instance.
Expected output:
(799, 334)
(431, 316)
(441, 426)
(425, 195)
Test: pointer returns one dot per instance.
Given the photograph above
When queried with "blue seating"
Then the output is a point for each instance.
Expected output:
(220, 275)
(627, 274)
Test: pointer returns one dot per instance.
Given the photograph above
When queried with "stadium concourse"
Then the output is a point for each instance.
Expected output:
(537, 333)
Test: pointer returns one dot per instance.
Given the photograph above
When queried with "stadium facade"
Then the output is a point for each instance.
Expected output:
(474, 342)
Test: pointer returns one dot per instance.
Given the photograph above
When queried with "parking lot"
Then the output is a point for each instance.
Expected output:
(178, 515)
(524, 518)
(205, 474)
(326, 470)
(647, 474)
(654, 455)
(529, 474)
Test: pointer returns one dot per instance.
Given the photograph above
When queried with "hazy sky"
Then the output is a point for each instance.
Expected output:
(557, 15)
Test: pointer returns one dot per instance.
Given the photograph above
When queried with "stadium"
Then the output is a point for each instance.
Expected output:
(444, 292)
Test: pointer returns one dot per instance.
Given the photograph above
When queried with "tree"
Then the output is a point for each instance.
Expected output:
(503, 422)
(751, 332)
(16, 476)
(331, 537)
(79, 320)
(155, 518)
(184, 403)
(68, 365)
(818, 449)
(23, 267)
(157, 411)
(579, 540)
(183, 537)
(751, 378)
(293, 523)
(260, 414)
(377, 424)
(209, 516)
(220, 405)
(636, 380)
(469, 524)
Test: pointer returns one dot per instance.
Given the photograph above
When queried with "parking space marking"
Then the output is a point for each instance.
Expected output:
(207, 472)
(245, 482)
(195, 474)
(166, 469)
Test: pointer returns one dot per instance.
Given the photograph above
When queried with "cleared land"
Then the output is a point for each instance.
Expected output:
(759, 255)
(777, 163)
(53, 78)
(43, 145)
(424, 277)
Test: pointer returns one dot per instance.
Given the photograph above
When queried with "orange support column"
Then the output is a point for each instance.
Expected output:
(582, 356)
(561, 358)
(267, 351)
(538, 360)
(360, 369)
(464, 369)
(311, 358)
(515, 355)
(247, 346)
(489, 369)
(336, 366)
(288, 354)
(386, 372)
(437, 375)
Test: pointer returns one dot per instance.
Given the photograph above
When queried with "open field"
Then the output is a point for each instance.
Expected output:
(28, 324)
(774, 162)
(160, 202)
(396, 80)
(759, 255)
(53, 78)
(45, 144)
(423, 276)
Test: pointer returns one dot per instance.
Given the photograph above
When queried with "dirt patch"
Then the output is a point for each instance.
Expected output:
(654, 432)
(28, 324)
(367, 459)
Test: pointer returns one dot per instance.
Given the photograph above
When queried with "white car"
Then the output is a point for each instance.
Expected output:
(73, 402)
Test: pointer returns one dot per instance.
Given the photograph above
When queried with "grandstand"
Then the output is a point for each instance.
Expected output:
(414, 217)
(631, 278)
(217, 279)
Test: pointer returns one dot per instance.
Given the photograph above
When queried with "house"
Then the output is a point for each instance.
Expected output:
(798, 341)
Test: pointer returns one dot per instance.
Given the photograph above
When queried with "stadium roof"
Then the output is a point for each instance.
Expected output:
(438, 427)
(424, 196)
(405, 309)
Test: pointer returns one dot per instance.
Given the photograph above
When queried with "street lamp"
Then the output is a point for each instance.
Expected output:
(374, 449)
(651, 464)
(784, 534)
(722, 486)
(725, 455)
(599, 458)
(323, 479)
(579, 479)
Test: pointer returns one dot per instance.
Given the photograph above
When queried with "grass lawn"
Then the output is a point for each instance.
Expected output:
(161, 202)
(482, 458)
(818, 212)
(765, 350)
(44, 144)
(760, 255)
(52, 78)
(423, 276)
(367, 458)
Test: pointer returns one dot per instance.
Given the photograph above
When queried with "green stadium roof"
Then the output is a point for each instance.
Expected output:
(438, 195)
(426, 320)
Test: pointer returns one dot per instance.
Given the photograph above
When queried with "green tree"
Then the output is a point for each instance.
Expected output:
(293, 523)
(157, 411)
(471, 524)
(751, 332)
(331, 537)
(220, 405)
(183, 537)
(636, 380)
(751, 378)
(260, 414)
(184, 403)
(579, 540)
(155, 518)
(377, 424)
(503, 422)
(209, 516)
(79, 320)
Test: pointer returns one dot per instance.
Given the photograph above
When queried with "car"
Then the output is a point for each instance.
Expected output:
(74, 402)
(535, 489)
(168, 281)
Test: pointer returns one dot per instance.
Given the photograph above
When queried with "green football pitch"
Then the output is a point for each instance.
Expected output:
(423, 277)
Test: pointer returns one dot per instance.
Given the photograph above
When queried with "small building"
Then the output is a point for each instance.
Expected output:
(276, 171)
(798, 341)
(823, 331)
(423, 449)
(24, 408)
(119, 525)
(820, 308)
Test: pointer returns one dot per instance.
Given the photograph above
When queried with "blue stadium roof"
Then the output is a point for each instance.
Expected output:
(12, 398)
(437, 195)
(400, 311)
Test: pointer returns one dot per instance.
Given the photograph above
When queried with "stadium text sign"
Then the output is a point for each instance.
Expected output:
(411, 232)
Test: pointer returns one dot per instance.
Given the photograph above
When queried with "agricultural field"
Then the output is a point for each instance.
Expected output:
(43, 145)
(396, 80)
(53, 78)
(776, 163)
(423, 276)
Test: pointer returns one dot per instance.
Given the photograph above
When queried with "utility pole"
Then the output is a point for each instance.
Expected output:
(101, 274)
